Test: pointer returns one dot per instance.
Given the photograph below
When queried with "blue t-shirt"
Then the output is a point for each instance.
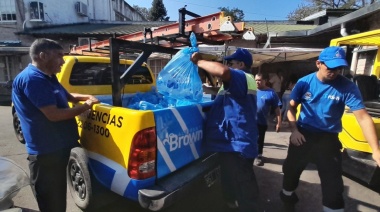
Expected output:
(231, 122)
(323, 103)
(266, 99)
(32, 89)
(285, 105)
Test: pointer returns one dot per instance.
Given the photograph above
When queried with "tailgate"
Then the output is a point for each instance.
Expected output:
(179, 137)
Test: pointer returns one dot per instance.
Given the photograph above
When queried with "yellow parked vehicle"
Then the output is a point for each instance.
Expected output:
(363, 51)
(153, 157)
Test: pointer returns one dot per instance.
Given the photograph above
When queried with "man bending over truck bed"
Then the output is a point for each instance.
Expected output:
(231, 128)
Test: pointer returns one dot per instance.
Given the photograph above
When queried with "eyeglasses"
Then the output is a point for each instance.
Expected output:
(336, 69)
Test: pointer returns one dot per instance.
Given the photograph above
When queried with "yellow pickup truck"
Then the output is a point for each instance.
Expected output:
(363, 51)
(153, 157)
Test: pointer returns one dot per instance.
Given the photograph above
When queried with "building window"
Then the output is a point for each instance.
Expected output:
(156, 65)
(7, 10)
(366, 59)
(37, 10)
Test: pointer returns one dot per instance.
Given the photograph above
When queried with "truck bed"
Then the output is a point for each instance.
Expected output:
(179, 134)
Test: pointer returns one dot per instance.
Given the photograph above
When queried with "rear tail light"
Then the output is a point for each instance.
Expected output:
(142, 158)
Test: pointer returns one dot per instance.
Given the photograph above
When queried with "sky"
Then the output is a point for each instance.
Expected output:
(253, 9)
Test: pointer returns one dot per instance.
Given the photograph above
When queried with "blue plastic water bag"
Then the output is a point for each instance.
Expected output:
(179, 79)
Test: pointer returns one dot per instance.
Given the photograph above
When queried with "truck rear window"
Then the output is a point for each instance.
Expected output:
(100, 74)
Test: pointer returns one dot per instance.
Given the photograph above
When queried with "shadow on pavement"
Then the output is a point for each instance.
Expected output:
(358, 205)
(269, 145)
(270, 183)
(5, 100)
(25, 209)
(5, 103)
(310, 194)
(375, 188)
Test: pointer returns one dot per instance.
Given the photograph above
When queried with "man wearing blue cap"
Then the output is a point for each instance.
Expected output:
(314, 138)
(231, 128)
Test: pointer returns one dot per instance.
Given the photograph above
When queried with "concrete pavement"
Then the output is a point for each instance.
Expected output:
(357, 196)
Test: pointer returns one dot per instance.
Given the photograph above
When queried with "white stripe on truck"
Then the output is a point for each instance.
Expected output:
(121, 178)
(185, 130)
(165, 155)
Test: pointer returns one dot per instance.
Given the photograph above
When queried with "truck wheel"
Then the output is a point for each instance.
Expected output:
(79, 179)
(17, 128)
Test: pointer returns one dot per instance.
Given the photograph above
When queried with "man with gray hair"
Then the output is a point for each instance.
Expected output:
(48, 123)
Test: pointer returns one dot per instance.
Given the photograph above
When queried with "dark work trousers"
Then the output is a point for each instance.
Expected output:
(48, 179)
(239, 181)
(262, 129)
(323, 149)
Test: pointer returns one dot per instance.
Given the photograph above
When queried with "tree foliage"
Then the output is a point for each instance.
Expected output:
(158, 11)
(143, 11)
(312, 6)
(235, 13)
(302, 11)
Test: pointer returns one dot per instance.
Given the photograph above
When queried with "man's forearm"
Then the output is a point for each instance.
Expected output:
(368, 128)
(215, 69)
(369, 132)
(292, 119)
(59, 114)
(278, 114)
(79, 97)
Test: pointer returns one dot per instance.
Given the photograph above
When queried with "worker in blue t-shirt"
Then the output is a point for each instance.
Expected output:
(286, 98)
(48, 123)
(231, 128)
(323, 96)
(267, 100)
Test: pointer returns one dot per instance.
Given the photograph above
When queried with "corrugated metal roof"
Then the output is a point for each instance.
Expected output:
(95, 29)
(265, 27)
(259, 27)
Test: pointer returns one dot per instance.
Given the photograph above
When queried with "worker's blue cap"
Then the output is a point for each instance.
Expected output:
(241, 55)
(333, 57)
